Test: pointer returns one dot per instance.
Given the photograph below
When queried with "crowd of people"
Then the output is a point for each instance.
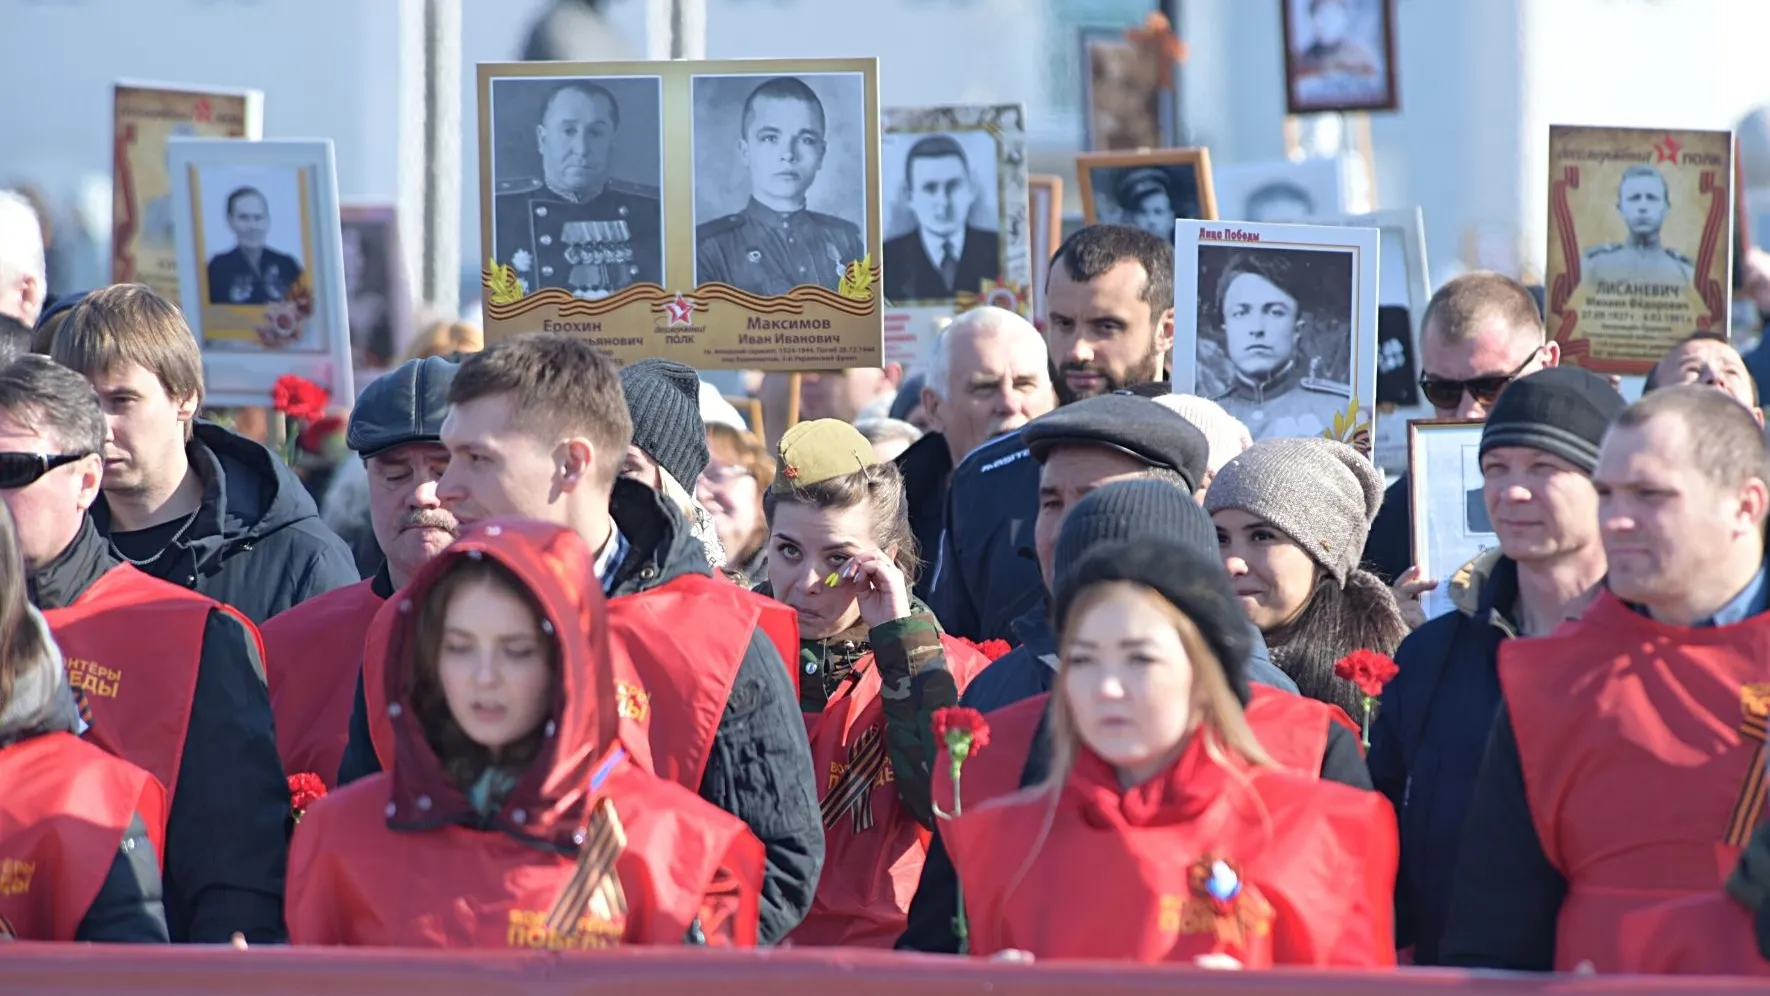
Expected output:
(1036, 660)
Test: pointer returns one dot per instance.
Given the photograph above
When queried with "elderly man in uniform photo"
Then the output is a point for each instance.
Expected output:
(1642, 198)
(576, 227)
(1146, 199)
(1272, 389)
(945, 254)
(775, 243)
(251, 272)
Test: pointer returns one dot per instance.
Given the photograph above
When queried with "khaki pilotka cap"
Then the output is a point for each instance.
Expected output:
(820, 450)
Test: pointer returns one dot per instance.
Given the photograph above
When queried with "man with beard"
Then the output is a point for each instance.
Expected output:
(1109, 301)
(313, 652)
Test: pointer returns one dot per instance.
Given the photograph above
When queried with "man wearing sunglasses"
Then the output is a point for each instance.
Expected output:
(1481, 332)
(168, 679)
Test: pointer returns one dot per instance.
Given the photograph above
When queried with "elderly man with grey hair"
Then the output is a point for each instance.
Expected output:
(23, 283)
(987, 375)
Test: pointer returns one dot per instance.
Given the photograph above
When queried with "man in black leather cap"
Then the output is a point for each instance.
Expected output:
(313, 652)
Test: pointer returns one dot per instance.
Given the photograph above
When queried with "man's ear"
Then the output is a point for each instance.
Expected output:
(931, 410)
(90, 479)
(894, 374)
(187, 408)
(1164, 332)
(577, 463)
(1551, 354)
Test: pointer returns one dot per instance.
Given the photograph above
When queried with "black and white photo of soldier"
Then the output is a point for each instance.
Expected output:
(773, 240)
(1149, 197)
(576, 169)
(1278, 201)
(1275, 336)
(1642, 200)
(945, 252)
(251, 272)
(1339, 52)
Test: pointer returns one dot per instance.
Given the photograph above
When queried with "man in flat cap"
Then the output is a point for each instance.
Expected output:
(313, 652)
(575, 227)
(775, 243)
(1146, 199)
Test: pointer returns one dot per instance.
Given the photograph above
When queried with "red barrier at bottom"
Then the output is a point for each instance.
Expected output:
(270, 971)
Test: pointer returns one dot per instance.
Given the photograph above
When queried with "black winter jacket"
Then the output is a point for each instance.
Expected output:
(1429, 737)
(1389, 549)
(227, 831)
(982, 582)
(257, 542)
(927, 466)
(760, 767)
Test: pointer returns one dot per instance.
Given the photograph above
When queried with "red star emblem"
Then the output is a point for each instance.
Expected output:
(679, 310)
(204, 112)
(1667, 150)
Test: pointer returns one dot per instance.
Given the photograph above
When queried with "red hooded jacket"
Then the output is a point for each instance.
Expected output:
(402, 859)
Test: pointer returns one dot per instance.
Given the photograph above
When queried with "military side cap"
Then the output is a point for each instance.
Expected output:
(405, 405)
(1136, 427)
(821, 450)
(1140, 183)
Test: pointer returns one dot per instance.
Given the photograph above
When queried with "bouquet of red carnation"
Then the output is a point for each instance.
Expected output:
(301, 401)
(304, 789)
(964, 731)
(1370, 671)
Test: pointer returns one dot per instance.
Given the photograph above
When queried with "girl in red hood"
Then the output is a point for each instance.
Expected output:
(520, 809)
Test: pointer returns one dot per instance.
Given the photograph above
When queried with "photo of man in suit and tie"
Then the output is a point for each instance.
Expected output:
(945, 254)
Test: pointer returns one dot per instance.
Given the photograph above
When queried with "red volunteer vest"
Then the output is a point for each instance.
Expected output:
(353, 881)
(1640, 754)
(132, 645)
(312, 654)
(873, 847)
(63, 813)
(1293, 729)
(1309, 868)
(685, 640)
(1703, 935)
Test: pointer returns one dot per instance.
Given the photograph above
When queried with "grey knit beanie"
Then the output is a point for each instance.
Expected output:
(1322, 493)
(664, 400)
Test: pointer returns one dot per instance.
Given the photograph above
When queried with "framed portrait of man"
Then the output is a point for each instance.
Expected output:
(146, 116)
(1278, 324)
(955, 206)
(261, 263)
(1339, 55)
(1127, 96)
(1045, 225)
(1451, 524)
(378, 296)
(1281, 190)
(1150, 190)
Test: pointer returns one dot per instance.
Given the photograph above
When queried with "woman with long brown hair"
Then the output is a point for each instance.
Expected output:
(80, 831)
(1162, 807)
(520, 809)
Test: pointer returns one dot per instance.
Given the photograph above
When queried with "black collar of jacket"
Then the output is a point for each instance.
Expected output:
(660, 546)
(1033, 630)
(1499, 598)
(925, 466)
(381, 585)
(57, 584)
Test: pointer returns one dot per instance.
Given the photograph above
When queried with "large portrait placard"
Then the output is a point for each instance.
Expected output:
(1278, 324)
(955, 207)
(724, 213)
(1640, 242)
(146, 116)
(262, 264)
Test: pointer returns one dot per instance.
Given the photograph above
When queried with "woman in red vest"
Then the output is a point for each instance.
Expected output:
(1162, 815)
(874, 666)
(520, 768)
(80, 831)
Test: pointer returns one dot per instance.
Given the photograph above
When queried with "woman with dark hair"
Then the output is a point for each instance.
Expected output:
(80, 831)
(520, 809)
(1162, 817)
(1292, 516)
(873, 667)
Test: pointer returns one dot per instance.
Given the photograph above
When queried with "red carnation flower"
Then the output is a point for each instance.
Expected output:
(299, 398)
(304, 789)
(957, 723)
(990, 649)
(1367, 669)
(313, 438)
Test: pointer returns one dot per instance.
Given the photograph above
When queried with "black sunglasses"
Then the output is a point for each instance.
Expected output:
(1445, 393)
(18, 470)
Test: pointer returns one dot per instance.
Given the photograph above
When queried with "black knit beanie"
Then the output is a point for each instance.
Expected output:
(1562, 411)
(664, 398)
(1142, 509)
(1191, 581)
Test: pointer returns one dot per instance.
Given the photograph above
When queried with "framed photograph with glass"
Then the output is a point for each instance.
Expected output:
(1045, 222)
(261, 264)
(1339, 55)
(1147, 189)
(1450, 519)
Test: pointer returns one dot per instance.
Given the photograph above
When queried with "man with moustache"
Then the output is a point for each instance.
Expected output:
(313, 652)
(945, 253)
(1625, 765)
(986, 377)
(575, 227)
(1707, 358)
(775, 243)
(1109, 301)
(1537, 452)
